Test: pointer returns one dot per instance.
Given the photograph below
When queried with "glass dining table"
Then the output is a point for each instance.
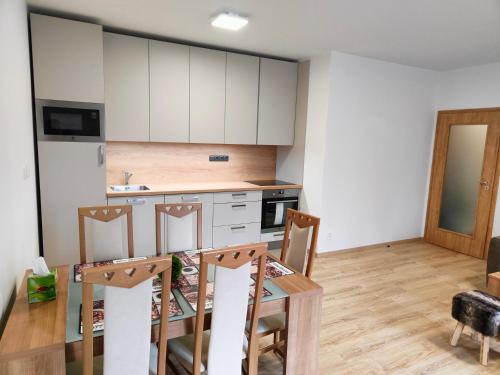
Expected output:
(73, 335)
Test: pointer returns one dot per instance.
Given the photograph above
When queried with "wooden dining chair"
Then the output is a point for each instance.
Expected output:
(296, 253)
(104, 214)
(179, 219)
(127, 316)
(222, 349)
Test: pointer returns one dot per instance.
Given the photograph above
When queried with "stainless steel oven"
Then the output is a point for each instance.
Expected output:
(275, 204)
(66, 121)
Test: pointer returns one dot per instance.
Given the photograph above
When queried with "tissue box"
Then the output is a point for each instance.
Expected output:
(42, 288)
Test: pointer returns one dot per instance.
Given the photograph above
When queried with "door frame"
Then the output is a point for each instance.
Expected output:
(494, 185)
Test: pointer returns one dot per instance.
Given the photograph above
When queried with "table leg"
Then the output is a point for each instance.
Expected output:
(303, 327)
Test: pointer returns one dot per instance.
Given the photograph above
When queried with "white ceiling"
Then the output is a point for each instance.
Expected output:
(433, 34)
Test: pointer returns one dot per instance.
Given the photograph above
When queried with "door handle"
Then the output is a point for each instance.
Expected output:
(190, 199)
(485, 184)
(100, 155)
(136, 201)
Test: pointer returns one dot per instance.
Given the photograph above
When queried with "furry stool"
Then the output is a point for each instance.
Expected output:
(479, 311)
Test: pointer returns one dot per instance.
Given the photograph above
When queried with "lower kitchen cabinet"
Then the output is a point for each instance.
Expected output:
(228, 235)
(143, 214)
(207, 201)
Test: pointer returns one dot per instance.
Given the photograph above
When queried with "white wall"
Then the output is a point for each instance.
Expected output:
(18, 214)
(290, 159)
(317, 114)
(377, 146)
(474, 87)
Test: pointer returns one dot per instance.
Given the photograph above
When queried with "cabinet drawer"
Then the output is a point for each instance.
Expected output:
(237, 213)
(238, 196)
(272, 236)
(236, 234)
(187, 198)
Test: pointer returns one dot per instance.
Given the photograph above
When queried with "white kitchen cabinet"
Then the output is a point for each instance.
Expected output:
(67, 59)
(238, 196)
(169, 92)
(235, 213)
(207, 201)
(277, 97)
(237, 234)
(144, 224)
(126, 79)
(207, 95)
(242, 93)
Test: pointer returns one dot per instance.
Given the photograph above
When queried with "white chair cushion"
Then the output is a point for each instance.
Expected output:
(270, 323)
(183, 350)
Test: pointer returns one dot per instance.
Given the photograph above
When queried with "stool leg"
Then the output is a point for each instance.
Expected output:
(485, 348)
(456, 334)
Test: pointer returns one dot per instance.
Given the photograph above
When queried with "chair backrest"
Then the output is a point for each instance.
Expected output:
(180, 224)
(127, 315)
(229, 310)
(295, 251)
(105, 214)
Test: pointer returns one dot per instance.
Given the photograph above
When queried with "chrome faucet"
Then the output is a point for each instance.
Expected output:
(126, 176)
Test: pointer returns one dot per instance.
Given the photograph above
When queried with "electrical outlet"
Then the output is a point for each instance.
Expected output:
(218, 157)
(329, 236)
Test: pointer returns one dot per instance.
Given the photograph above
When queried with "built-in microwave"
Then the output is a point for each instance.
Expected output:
(67, 121)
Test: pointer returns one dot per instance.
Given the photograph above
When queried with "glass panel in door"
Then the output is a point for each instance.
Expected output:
(464, 164)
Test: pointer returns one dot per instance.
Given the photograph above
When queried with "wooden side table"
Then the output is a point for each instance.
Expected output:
(34, 338)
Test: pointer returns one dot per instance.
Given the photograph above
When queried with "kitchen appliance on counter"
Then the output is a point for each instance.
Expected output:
(275, 204)
(72, 172)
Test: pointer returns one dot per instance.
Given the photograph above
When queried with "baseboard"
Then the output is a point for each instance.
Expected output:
(6, 314)
(368, 247)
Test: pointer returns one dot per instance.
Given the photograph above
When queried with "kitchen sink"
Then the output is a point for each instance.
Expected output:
(129, 188)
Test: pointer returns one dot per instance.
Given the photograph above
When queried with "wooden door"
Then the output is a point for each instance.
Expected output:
(463, 184)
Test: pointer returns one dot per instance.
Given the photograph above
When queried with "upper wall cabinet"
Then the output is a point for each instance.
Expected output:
(277, 96)
(242, 93)
(126, 78)
(207, 95)
(169, 92)
(67, 59)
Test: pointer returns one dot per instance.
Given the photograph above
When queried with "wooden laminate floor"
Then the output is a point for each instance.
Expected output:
(387, 310)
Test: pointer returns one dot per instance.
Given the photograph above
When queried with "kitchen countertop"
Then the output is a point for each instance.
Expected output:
(197, 187)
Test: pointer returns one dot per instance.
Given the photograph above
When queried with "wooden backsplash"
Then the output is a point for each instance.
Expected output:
(166, 163)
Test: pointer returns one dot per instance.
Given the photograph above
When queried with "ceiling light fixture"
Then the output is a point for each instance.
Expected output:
(229, 21)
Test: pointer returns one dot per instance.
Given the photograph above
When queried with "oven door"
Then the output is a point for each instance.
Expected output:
(274, 211)
(70, 121)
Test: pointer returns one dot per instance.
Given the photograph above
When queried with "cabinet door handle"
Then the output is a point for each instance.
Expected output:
(136, 201)
(285, 201)
(239, 195)
(190, 199)
(278, 234)
(100, 155)
(238, 227)
(238, 205)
